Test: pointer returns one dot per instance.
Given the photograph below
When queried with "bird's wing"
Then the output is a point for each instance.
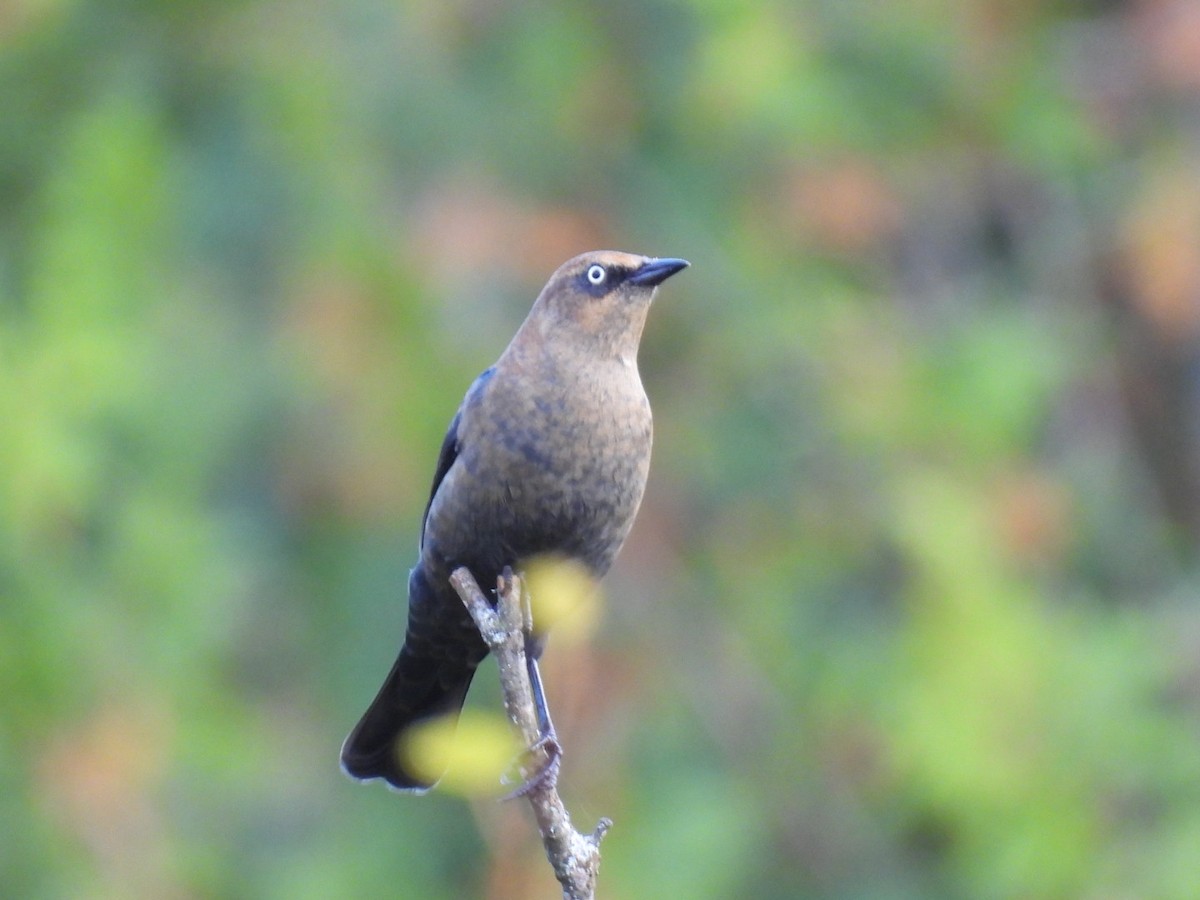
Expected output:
(451, 445)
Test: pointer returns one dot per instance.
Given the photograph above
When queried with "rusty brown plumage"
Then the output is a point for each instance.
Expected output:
(548, 453)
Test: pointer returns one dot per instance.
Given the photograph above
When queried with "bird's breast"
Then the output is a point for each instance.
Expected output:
(553, 465)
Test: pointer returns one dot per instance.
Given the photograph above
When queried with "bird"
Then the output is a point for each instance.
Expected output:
(548, 454)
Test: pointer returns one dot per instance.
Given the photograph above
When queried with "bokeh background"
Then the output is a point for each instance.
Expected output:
(911, 607)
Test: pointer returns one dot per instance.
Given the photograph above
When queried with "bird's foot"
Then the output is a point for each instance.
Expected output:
(542, 772)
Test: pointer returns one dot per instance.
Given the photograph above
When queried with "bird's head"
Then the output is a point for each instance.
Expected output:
(599, 300)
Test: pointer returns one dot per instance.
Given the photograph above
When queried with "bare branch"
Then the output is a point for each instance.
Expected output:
(574, 856)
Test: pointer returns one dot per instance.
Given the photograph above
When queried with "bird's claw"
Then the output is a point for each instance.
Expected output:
(545, 772)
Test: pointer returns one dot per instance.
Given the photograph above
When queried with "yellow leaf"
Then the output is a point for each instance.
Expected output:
(469, 754)
(564, 597)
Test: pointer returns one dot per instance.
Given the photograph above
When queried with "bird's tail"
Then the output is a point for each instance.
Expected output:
(417, 688)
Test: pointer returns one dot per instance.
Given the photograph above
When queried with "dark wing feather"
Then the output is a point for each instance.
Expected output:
(450, 445)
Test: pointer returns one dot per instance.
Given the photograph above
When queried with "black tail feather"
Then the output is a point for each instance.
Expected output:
(416, 689)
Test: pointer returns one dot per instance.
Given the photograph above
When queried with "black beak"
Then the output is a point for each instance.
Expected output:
(655, 271)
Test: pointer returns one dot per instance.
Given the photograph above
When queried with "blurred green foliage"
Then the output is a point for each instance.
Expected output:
(911, 607)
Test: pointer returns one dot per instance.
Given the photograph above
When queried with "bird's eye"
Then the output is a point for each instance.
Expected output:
(596, 274)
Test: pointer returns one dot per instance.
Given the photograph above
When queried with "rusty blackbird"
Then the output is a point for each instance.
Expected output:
(548, 453)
